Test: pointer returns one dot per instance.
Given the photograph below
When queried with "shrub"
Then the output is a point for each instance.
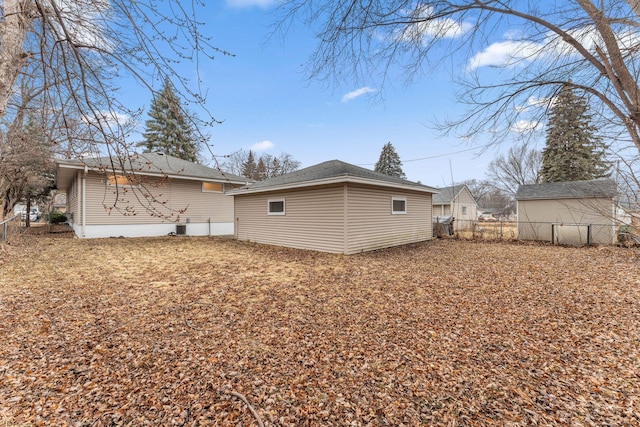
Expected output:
(57, 217)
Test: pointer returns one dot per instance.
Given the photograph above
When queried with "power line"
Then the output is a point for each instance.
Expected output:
(434, 157)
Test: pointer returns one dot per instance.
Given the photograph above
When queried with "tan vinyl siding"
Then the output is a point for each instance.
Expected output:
(536, 216)
(314, 219)
(73, 200)
(371, 225)
(172, 196)
(441, 210)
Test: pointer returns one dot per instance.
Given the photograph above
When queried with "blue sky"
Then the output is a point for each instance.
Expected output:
(267, 104)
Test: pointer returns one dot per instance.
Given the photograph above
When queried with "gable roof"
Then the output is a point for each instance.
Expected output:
(154, 164)
(447, 194)
(331, 172)
(597, 188)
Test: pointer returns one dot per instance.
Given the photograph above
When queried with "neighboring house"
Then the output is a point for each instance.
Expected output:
(456, 201)
(334, 207)
(149, 194)
(578, 212)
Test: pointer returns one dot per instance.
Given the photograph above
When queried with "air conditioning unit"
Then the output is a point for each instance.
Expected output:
(181, 229)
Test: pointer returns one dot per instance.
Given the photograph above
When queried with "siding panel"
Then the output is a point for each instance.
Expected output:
(314, 219)
(371, 225)
(177, 201)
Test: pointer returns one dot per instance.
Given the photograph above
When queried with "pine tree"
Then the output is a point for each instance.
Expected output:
(168, 129)
(573, 151)
(249, 166)
(261, 170)
(389, 162)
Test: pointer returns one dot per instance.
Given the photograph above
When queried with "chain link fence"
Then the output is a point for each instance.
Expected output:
(9, 228)
(556, 233)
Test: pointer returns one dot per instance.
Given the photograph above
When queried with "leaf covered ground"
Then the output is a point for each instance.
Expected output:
(171, 331)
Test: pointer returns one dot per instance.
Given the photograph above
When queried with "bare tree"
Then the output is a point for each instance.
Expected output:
(274, 165)
(520, 166)
(590, 46)
(81, 49)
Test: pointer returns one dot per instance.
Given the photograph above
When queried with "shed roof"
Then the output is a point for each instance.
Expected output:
(447, 194)
(146, 164)
(598, 188)
(329, 172)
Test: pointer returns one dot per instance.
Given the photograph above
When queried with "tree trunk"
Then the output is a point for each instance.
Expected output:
(12, 56)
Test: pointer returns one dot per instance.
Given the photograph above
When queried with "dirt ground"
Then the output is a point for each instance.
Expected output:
(201, 331)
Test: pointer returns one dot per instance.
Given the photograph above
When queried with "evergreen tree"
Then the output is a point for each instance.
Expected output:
(249, 167)
(168, 129)
(261, 170)
(389, 162)
(573, 151)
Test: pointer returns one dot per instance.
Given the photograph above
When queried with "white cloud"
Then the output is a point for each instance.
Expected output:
(357, 93)
(250, 3)
(262, 146)
(505, 53)
(532, 101)
(523, 126)
(512, 52)
(428, 28)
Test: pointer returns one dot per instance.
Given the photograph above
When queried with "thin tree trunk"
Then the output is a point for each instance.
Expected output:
(12, 56)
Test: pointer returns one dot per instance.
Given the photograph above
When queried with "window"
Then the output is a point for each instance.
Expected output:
(212, 187)
(123, 180)
(464, 210)
(276, 207)
(398, 205)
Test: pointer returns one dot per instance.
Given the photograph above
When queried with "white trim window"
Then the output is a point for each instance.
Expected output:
(276, 207)
(398, 205)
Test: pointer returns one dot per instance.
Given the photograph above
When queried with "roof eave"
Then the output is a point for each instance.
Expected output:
(333, 180)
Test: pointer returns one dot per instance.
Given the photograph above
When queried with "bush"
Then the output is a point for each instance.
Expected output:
(57, 217)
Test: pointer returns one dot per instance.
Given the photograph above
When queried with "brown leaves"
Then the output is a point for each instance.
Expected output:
(174, 331)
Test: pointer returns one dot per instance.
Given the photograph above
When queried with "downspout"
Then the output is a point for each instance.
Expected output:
(84, 200)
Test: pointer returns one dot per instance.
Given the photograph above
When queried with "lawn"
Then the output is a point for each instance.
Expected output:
(198, 331)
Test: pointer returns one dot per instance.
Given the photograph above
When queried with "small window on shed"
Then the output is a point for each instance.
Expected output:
(398, 205)
(212, 187)
(464, 210)
(276, 207)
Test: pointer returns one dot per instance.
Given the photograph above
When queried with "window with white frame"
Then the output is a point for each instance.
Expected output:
(276, 207)
(398, 205)
(464, 210)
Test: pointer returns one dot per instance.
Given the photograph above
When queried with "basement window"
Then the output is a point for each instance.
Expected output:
(398, 205)
(276, 207)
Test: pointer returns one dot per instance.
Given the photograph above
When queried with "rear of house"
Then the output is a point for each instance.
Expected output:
(456, 201)
(579, 212)
(334, 207)
(154, 195)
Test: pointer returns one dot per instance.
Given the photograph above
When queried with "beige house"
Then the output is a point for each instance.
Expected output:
(334, 207)
(456, 201)
(575, 213)
(148, 194)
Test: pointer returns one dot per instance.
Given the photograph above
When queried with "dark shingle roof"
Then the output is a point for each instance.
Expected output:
(447, 194)
(330, 170)
(568, 190)
(160, 164)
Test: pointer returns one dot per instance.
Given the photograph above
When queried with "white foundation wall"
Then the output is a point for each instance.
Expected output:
(153, 230)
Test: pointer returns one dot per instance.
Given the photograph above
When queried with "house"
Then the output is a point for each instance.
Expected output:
(334, 207)
(577, 212)
(456, 201)
(148, 194)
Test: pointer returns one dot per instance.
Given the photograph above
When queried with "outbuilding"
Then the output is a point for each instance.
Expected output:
(334, 207)
(573, 213)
